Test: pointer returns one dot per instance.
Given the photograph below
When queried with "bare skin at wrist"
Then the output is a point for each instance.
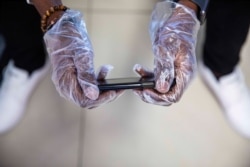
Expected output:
(189, 4)
(55, 15)
(43, 5)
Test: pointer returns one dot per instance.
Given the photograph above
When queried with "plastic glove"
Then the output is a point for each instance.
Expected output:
(173, 31)
(71, 56)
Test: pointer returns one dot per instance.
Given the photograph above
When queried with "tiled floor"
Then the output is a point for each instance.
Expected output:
(127, 132)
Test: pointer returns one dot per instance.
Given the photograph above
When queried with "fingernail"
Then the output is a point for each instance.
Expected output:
(162, 86)
(109, 67)
(137, 67)
(92, 92)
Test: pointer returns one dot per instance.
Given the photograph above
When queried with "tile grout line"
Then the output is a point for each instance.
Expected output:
(80, 151)
(89, 9)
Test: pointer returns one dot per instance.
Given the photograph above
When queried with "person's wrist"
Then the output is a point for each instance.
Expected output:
(53, 19)
(44, 5)
(190, 5)
(55, 16)
(51, 16)
(199, 6)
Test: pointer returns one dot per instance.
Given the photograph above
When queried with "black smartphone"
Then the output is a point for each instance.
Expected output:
(126, 83)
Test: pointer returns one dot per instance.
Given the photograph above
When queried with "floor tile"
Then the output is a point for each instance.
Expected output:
(123, 4)
(48, 135)
(121, 40)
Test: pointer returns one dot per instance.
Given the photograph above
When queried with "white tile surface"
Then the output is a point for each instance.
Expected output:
(121, 40)
(48, 135)
(123, 4)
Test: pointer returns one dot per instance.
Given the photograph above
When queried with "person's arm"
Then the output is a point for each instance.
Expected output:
(71, 55)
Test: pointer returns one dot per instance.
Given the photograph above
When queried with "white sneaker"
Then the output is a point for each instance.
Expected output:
(15, 91)
(233, 96)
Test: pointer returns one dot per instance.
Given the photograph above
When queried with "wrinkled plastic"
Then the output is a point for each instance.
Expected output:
(173, 32)
(71, 56)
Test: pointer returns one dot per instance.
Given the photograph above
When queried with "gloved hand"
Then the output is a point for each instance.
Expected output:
(173, 31)
(71, 56)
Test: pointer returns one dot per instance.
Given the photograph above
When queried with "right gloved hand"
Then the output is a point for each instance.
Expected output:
(174, 29)
(71, 56)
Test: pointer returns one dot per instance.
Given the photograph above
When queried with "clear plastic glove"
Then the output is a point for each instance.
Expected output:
(173, 31)
(71, 56)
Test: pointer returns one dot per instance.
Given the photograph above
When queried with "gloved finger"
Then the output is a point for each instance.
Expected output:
(164, 68)
(72, 36)
(142, 71)
(104, 97)
(103, 72)
(148, 95)
(185, 71)
(83, 60)
(65, 80)
(153, 97)
(86, 76)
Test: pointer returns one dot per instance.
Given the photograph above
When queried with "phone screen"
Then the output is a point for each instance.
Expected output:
(126, 83)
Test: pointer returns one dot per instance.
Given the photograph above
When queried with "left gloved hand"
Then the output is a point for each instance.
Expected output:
(71, 56)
